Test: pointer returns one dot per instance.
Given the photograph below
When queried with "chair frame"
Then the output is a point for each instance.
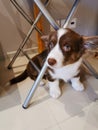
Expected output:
(53, 23)
(24, 42)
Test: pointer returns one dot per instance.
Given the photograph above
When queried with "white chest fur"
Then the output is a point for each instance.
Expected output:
(67, 72)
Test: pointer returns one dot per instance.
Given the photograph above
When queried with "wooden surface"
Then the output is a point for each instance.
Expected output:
(40, 26)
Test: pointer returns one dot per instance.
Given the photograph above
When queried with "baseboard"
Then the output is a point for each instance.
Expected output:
(33, 50)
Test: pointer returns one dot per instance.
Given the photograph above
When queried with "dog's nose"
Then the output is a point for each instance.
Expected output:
(51, 61)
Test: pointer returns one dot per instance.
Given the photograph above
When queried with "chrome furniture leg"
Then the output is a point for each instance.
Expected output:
(72, 11)
(30, 60)
(56, 27)
(33, 23)
(24, 41)
(24, 14)
(34, 87)
(67, 20)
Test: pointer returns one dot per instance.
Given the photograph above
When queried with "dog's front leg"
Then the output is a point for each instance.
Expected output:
(76, 84)
(54, 89)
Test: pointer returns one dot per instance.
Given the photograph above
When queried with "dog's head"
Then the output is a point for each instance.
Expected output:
(66, 47)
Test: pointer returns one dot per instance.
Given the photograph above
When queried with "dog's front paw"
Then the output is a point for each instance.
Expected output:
(76, 84)
(78, 87)
(55, 92)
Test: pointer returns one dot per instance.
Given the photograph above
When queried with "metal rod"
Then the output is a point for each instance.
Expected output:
(67, 20)
(28, 35)
(34, 87)
(32, 63)
(24, 41)
(46, 14)
(72, 11)
(36, 83)
(56, 27)
(24, 14)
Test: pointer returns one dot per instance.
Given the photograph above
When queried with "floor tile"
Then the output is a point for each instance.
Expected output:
(54, 128)
(86, 120)
(72, 111)
(37, 117)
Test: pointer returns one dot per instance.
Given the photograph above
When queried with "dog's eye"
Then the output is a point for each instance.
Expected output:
(67, 47)
(51, 45)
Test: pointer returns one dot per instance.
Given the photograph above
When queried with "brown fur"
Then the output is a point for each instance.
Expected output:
(72, 46)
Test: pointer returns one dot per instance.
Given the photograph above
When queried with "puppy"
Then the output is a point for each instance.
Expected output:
(63, 56)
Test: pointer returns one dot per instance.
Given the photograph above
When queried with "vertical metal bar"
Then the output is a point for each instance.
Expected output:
(56, 27)
(36, 83)
(23, 13)
(34, 87)
(73, 9)
(85, 62)
(28, 35)
(47, 14)
(24, 41)
(32, 63)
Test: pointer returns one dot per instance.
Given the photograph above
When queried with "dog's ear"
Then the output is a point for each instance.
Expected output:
(45, 38)
(90, 42)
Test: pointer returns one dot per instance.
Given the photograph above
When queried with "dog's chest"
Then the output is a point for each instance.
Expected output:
(67, 72)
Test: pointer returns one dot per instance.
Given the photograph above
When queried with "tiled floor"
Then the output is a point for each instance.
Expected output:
(72, 111)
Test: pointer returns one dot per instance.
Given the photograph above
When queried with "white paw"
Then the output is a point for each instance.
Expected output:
(78, 87)
(55, 92)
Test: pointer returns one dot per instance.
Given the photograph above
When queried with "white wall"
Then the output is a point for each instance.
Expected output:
(87, 17)
(13, 27)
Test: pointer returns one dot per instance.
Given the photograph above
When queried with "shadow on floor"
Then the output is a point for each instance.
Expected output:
(9, 95)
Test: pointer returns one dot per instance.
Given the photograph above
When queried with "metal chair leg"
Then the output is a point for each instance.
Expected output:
(34, 87)
(24, 41)
(56, 27)
(72, 11)
(30, 60)
(46, 14)
(54, 24)
(24, 14)
(67, 20)
(33, 23)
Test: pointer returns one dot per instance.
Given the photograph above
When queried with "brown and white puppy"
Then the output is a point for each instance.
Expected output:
(63, 55)
(65, 58)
